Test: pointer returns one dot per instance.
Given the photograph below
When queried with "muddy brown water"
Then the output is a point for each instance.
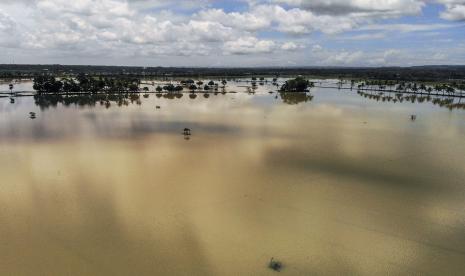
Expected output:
(334, 184)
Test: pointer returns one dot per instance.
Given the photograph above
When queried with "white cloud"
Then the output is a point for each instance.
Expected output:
(290, 21)
(246, 21)
(454, 10)
(249, 45)
(291, 46)
(110, 30)
(317, 48)
(344, 58)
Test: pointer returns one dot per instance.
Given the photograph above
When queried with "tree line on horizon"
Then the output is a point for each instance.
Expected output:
(418, 73)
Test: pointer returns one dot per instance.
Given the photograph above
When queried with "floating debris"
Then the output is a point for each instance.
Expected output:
(275, 265)
(12, 100)
(413, 117)
(32, 115)
(157, 107)
(187, 131)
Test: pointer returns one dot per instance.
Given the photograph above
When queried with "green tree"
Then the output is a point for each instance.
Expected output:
(298, 84)
(192, 87)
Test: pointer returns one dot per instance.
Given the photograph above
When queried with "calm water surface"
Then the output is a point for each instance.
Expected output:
(334, 184)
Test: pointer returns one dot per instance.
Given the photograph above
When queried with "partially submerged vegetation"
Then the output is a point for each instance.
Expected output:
(84, 83)
(97, 84)
(299, 84)
(454, 88)
(72, 90)
(275, 265)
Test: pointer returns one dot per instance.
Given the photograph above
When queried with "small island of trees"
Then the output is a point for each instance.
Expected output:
(84, 83)
(298, 84)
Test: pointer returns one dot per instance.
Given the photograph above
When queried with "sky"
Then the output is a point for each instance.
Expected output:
(241, 33)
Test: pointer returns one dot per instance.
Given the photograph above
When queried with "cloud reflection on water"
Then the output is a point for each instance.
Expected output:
(335, 186)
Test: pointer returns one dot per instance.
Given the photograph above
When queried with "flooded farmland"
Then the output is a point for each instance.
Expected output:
(328, 182)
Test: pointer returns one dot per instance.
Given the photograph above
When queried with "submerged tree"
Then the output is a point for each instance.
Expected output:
(47, 84)
(298, 84)
(192, 87)
(85, 83)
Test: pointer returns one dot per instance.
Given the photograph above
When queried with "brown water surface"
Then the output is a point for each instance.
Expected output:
(334, 184)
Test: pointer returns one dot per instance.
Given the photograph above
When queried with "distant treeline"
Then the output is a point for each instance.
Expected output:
(418, 73)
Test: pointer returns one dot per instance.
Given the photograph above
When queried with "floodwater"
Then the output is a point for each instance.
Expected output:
(328, 183)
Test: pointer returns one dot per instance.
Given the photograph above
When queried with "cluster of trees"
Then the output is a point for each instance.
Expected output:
(47, 84)
(191, 85)
(170, 88)
(298, 84)
(84, 83)
(92, 84)
(412, 87)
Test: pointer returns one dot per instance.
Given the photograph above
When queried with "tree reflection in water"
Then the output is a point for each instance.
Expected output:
(293, 98)
(45, 101)
(446, 102)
